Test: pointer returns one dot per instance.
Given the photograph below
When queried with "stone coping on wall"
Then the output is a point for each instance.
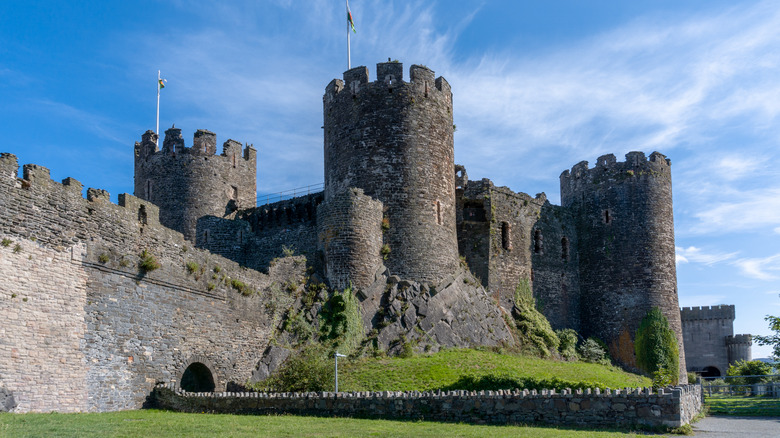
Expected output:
(664, 407)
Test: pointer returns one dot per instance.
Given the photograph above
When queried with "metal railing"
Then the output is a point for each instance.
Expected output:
(742, 386)
(263, 199)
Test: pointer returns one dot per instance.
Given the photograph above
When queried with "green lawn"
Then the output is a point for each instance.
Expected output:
(746, 406)
(152, 423)
(478, 369)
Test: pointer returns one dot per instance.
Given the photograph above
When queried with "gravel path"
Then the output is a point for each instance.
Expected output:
(733, 427)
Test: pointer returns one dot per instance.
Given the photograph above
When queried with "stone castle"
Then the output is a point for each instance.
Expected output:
(710, 343)
(188, 281)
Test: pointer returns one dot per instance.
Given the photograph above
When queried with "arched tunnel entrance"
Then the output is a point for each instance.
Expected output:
(197, 378)
(710, 372)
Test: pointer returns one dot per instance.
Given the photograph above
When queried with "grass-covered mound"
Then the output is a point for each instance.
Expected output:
(478, 370)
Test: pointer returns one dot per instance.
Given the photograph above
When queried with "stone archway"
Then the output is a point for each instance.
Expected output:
(710, 372)
(199, 376)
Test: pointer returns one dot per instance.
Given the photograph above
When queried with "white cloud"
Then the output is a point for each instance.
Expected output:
(767, 268)
(696, 255)
(747, 210)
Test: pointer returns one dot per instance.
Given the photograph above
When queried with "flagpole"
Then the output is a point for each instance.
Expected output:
(349, 50)
(157, 129)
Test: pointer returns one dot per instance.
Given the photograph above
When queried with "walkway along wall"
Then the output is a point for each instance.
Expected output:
(669, 407)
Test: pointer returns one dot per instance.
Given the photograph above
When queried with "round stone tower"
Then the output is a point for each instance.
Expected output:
(623, 215)
(189, 183)
(394, 140)
(739, 348)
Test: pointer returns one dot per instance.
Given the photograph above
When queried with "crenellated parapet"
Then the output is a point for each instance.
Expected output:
(191, 182)
(722, 311)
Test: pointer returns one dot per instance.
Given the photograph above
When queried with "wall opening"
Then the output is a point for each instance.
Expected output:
(506, 237)
(474, 212)
(142, 216)
(205, 236)
(234, 192)
(711, 372)
(565, 248)
(148, 190)
(438, 212)
(197, 378)
(607, 217)
(538, 241)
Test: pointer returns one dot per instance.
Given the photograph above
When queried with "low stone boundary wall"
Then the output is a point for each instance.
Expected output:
(669, 407)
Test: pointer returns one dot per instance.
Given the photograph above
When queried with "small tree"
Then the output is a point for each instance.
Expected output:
(656, 347)
(749, 368)
(773, 340)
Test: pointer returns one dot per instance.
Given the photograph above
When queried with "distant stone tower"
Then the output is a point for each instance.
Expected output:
(623, 216)
(394, 140)
(739, 347)
(188, 183)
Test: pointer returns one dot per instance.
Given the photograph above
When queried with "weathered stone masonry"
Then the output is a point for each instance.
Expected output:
(84, 329)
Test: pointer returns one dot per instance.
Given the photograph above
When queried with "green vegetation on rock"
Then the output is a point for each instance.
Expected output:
(656, 348)
(533, 329)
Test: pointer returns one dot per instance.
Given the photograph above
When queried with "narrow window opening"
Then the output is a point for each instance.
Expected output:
(565, 249)
(142, 215)
(607, 217)
(438, 212)
(234, 193)
(148, 191)
(240, 236)
(234, 161)
(205, 236)
(538, 241)
(506, 238)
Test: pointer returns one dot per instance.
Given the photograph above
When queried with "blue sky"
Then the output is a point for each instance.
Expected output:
(538, 87)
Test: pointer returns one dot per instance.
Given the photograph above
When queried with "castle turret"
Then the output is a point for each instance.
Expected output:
(739, 348)
(623, 216)
(394, 140)
(189, 183)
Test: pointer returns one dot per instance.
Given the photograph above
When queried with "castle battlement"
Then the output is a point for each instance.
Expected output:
(708, 312)
(739, 339)
(635, 164)
(389, 77)
(204, 144)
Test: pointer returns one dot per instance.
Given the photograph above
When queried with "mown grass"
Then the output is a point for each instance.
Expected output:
(153, 423)
(478, 369)
(743, 406)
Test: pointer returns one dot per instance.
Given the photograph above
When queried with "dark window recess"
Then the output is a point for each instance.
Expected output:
(474, 212)
(197, 378)
(565, 248)
(438, 212)
(506, 236)
(538, 247)
(142, 217)
(607, 217)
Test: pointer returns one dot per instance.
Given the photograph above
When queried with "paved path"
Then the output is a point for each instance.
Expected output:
(733, 427)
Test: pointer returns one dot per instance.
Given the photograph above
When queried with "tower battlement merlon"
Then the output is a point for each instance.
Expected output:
(744, 339)
(390, 77)
(204, 144)
(708, 312)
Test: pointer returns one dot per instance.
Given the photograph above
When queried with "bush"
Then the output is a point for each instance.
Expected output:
(594, 351)
(568, 344)
(310, 370)
(191, 267)
(693, 378)
(749, 368)
(148, 263)
(655, 345)
(533, 327)
(341, 322)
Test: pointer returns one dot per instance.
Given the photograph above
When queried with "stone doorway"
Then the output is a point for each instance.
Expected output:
(197, 378)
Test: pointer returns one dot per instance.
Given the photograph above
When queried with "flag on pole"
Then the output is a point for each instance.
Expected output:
(349, 19)
(162, 82)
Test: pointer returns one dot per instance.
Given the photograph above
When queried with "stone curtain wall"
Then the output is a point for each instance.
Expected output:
(42, 299)
(97, 333)
(668, 407)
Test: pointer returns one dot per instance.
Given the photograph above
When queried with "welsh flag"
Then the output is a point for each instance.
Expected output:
(349, 19)
(161, 83)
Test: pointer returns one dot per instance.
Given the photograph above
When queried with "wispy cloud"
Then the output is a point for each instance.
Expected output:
(693, 254)
(767, 268)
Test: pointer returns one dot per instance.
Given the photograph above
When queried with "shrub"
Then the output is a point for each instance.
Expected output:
(594, 351)
(6, 243)
(288, 252)
(192, 267)
(341, 322)
(148, 263)
(17, 248)
(749, 368)
(385, 251)
(385, 224)
(533, 327)
(568, 344)
(693, 378)
(664, 377)
(655, 345)
(309, 370)
(241, 287)
(103, 258)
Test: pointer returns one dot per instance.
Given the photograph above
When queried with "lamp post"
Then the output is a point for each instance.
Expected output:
(336, 356)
